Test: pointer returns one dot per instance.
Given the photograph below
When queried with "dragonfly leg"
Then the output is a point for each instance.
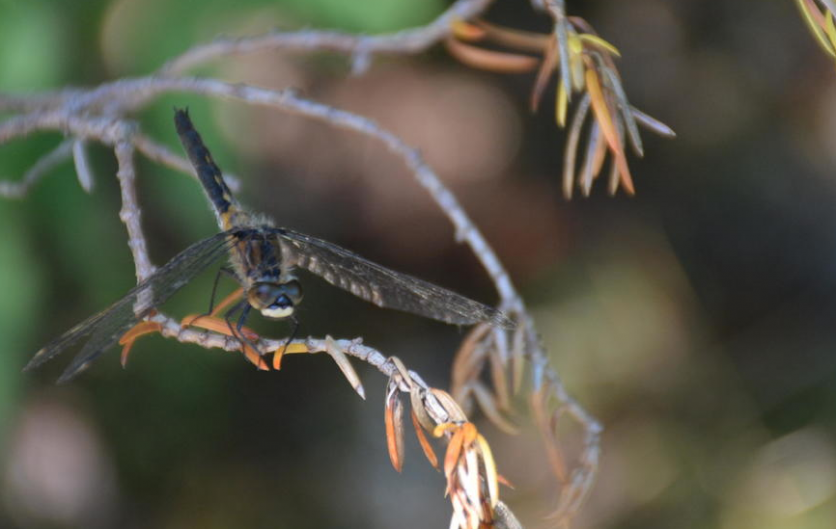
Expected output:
(238, 330)
(213, 310)
(279, 353)
(222, 270)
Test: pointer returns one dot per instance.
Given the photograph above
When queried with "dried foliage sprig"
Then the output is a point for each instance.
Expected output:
(820, 22)
(99, 114)
(584, 64)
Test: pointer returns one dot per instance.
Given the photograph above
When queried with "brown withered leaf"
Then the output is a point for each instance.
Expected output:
(393, 418)
(423, 441)
(492, 61)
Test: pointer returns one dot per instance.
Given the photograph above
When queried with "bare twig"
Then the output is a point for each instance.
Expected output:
(130, 212)
(46, 163)
(359, 47)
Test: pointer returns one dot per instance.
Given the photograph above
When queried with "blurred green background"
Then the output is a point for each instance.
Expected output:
(694, 320)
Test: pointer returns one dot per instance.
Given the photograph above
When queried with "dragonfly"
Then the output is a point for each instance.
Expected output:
(263, 259)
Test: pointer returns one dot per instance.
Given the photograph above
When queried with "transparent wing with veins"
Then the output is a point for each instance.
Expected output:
(382, 286)
(106, 327)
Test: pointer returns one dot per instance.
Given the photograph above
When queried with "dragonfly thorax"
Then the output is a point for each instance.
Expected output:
(275, 300)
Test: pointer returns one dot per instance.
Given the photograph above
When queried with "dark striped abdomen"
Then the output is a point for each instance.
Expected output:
(209, 173)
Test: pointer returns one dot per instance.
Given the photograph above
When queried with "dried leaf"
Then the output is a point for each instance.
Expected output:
(598, 42)
(502, 480)
(393, 419)
(561, 33)
(402, 370)
(586, 174)
(466, 362)
(624, 109)
(450, 405)
(498, 375)
(830, 29)
(454, 450)
(572, 140)
(423, 441)
(492, 61)
(550, 442)
(490, 470)
(547, 67)
(489, 408)
(468, 474)
(517, 359)
(613, 179)
(288, 349)
(576, 63)
(129, 338)
(813, 18)
(515, 38)
(561, 106)
(467, 32)
(140, 329)
(343, 363)
(652, 124)
(221, 326)
(419, 410)
(470, 433)
(604, 119)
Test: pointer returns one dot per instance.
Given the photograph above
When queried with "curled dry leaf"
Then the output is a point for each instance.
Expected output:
(423, 441)
(393, 419)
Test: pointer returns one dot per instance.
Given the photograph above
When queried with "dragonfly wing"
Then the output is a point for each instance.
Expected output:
(382, 286)
(106, 327)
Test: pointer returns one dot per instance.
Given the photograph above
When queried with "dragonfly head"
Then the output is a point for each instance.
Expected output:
(275, 300)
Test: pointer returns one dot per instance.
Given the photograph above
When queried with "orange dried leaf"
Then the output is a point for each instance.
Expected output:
(469, 434)
(502, 480)
(604, 119)
(140, 329)
(423, 441)
(516, 38)
(220, 326)
(467, 32)
(235, 295)
(454, 450)
(441, 429)
(394, 431)
(292, 348)
(129, 338)
(493, 61)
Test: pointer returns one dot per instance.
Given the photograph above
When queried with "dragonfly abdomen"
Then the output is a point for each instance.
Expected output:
(208, 171)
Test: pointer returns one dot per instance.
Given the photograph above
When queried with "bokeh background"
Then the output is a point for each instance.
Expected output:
(696, 320)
